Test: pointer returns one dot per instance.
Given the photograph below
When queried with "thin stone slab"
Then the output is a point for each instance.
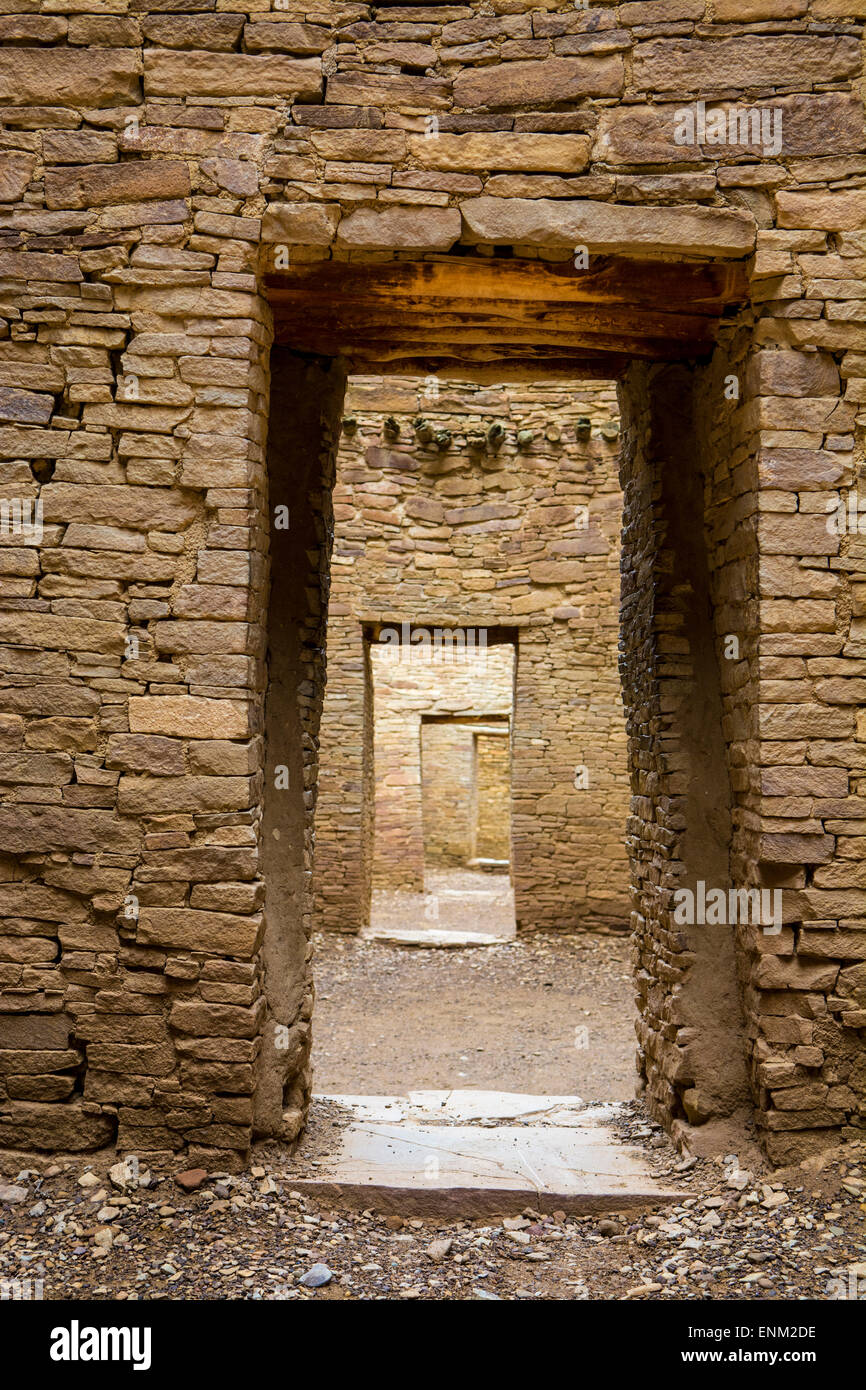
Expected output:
(466, 1106)
(488, 1106)
(431, 937)
(387, 1109)
(424, 1169)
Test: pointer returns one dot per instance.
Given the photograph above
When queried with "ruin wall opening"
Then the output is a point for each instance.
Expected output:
(177, 194)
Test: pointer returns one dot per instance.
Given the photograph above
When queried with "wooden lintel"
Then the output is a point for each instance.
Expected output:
(474, 309)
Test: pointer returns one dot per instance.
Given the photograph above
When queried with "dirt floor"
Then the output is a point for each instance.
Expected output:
(551, 1015)
(453, 900)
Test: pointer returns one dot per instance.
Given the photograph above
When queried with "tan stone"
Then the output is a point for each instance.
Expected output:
(28, 1124)
(41, 829)
(211, 31)
(787, 373)
(544, 153)
(154, 796)
(364, 145)
(841, 9)
(284, 36)
(69, 76)
(507, 85)
(94, 185)
(750, 60)
(29, 1062)
(186, 929)
(608, 228)
(43, 904)
(16, 171)
(59, 633)
(162, 757)
(418, 229)
(301, 224)
(740, 11)
(35, 265)
(836, 210)
(201, 73)
(145, 508)
(187, 716)
(40, 769)
(218, 1020)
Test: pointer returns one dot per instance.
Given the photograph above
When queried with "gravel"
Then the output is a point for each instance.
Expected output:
(738, 1234)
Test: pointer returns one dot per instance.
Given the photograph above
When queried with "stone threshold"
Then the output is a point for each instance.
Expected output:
(480, 1154)
(443, 940)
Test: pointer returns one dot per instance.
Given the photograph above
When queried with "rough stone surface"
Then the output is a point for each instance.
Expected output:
(134, 365)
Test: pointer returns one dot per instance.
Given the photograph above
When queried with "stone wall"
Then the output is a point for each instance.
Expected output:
(159, 174)
(492, 769)
(461, 532)
(448, 794)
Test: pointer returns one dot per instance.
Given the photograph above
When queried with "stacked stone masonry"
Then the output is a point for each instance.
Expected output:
(159, 171)
(473, 538)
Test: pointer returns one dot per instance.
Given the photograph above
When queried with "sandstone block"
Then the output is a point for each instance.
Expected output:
(606, 228)
(43, 904)
(199, 864)
(155, 796)
(201, 73)
(419, 229)
(487, 150)
(788, 373)
(777, 972)
(35, 1125)
(69, 77)
(16, 171)
(147, 509)
(284, 36)
(189, 929)
(301, 224)
(35, 1032)
(137, 1059)
(188, 716)
(365, 146)
(836, 211)
(162, 757)
(130, 182)
(749, 60)
(218, 1020)
(34, 1061)
(536, 83)
(41, 829)
(198, 31)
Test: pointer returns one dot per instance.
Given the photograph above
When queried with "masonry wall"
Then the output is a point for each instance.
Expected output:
(476, 535)
(732, 588)
(448, 793)
(147, 159)
(492, 768)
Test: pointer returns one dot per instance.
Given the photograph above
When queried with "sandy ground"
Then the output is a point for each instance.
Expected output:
(551, 1015)
(453, 900)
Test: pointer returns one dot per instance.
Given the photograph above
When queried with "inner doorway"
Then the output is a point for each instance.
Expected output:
(442, 756)
(472, 749)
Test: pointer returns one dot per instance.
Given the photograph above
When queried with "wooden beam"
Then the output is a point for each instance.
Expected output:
(495, 367)
(610, 280)
(474, 309)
